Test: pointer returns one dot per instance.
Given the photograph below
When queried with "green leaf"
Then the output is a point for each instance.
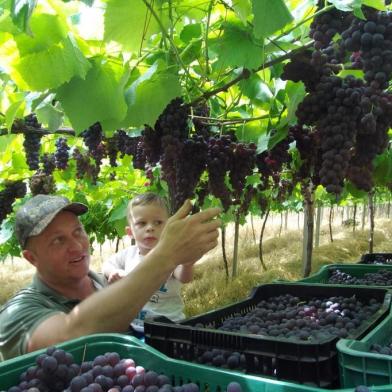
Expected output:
(11, 112)
(48, 114)
(250, 131)
(190, 32)
(47, 30)
(235, 48)
(377, 4)
(295, 93)
(354, 191)
(6, 140)
(21, 11)
(359, 13)
(130, 23)
(155, 87)
(192, 9)
(243, 9)
(346, 5)
(255, 89)
(276, 137)
(191, 52)
(119, 226)
(358, 73)
(253, 179)
(100, 94)
(120, 212)
(269, 16)
(19, 161)
(50, 68)
(262, 143)
(383, 168)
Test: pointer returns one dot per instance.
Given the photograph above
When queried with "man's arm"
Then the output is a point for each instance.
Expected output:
(184, 273)
(184, 240)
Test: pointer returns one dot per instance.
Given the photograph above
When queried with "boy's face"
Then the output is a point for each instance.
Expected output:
(147, 222)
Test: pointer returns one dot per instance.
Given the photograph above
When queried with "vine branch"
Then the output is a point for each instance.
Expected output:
(40, 131)
(172, 44)
(246, 73)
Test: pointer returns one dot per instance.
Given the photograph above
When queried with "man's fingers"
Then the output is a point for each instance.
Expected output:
(211, 236)
(183, 211)
(211, 245)
(212, 225)
(207, 214)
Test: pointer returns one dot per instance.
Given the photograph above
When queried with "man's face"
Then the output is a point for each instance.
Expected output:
(61, 253)
(147, 223)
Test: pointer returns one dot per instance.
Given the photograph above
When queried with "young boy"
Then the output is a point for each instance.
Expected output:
(147, 215)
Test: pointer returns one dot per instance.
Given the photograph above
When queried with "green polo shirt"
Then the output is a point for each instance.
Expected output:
(27, 309)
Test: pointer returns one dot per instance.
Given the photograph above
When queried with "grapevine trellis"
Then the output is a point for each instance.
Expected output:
(194, 151)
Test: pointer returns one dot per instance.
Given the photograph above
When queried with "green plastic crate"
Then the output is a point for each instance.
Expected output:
(358, 365)
(209, 379)
(306, 362)
(356, 270)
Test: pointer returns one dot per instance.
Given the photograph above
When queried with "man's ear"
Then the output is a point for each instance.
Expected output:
(29, 256)
(128, 230)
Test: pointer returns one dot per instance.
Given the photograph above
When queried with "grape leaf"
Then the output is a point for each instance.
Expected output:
(149, 95)
(256, 89)
(243, 9)
(50, 68)
(236, 48)
(130, 23)
(295, 92)
(269, 16)
(100, 94)
(48, 114)
(47, 30)
(21, 11)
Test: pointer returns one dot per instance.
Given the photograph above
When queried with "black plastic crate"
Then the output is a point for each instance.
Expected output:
(312, 363)
(376, 258)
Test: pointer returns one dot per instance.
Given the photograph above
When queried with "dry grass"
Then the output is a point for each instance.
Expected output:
(209, 289)
(282, 256)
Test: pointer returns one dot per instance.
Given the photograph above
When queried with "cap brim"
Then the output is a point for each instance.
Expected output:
(76, 208)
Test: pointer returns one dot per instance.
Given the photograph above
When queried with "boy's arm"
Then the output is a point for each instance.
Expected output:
(115, 264)
(184, 273)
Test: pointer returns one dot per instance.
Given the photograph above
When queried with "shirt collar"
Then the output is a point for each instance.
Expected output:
(43, 288)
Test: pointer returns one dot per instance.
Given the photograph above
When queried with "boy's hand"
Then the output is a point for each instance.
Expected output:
(186, 238)
(116, 275)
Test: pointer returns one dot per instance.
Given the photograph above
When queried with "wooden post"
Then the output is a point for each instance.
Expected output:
(363, 216)
(253, 228)
(226, 264)
(308, 193)
(281, 224)
(330, 220)
(236, 237)
(318, 225)
(371, 221)
(261, 240)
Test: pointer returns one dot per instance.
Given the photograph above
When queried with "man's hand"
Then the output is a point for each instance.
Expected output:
(186, 238)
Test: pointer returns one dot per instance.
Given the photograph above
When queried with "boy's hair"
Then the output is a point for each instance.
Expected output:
(146, 199)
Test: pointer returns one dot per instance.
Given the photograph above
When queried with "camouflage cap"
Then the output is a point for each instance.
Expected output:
(36, 214)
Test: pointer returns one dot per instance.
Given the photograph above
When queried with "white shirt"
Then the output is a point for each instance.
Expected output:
(166, 301)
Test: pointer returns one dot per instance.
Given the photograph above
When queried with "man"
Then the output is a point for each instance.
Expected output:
(65, 299)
